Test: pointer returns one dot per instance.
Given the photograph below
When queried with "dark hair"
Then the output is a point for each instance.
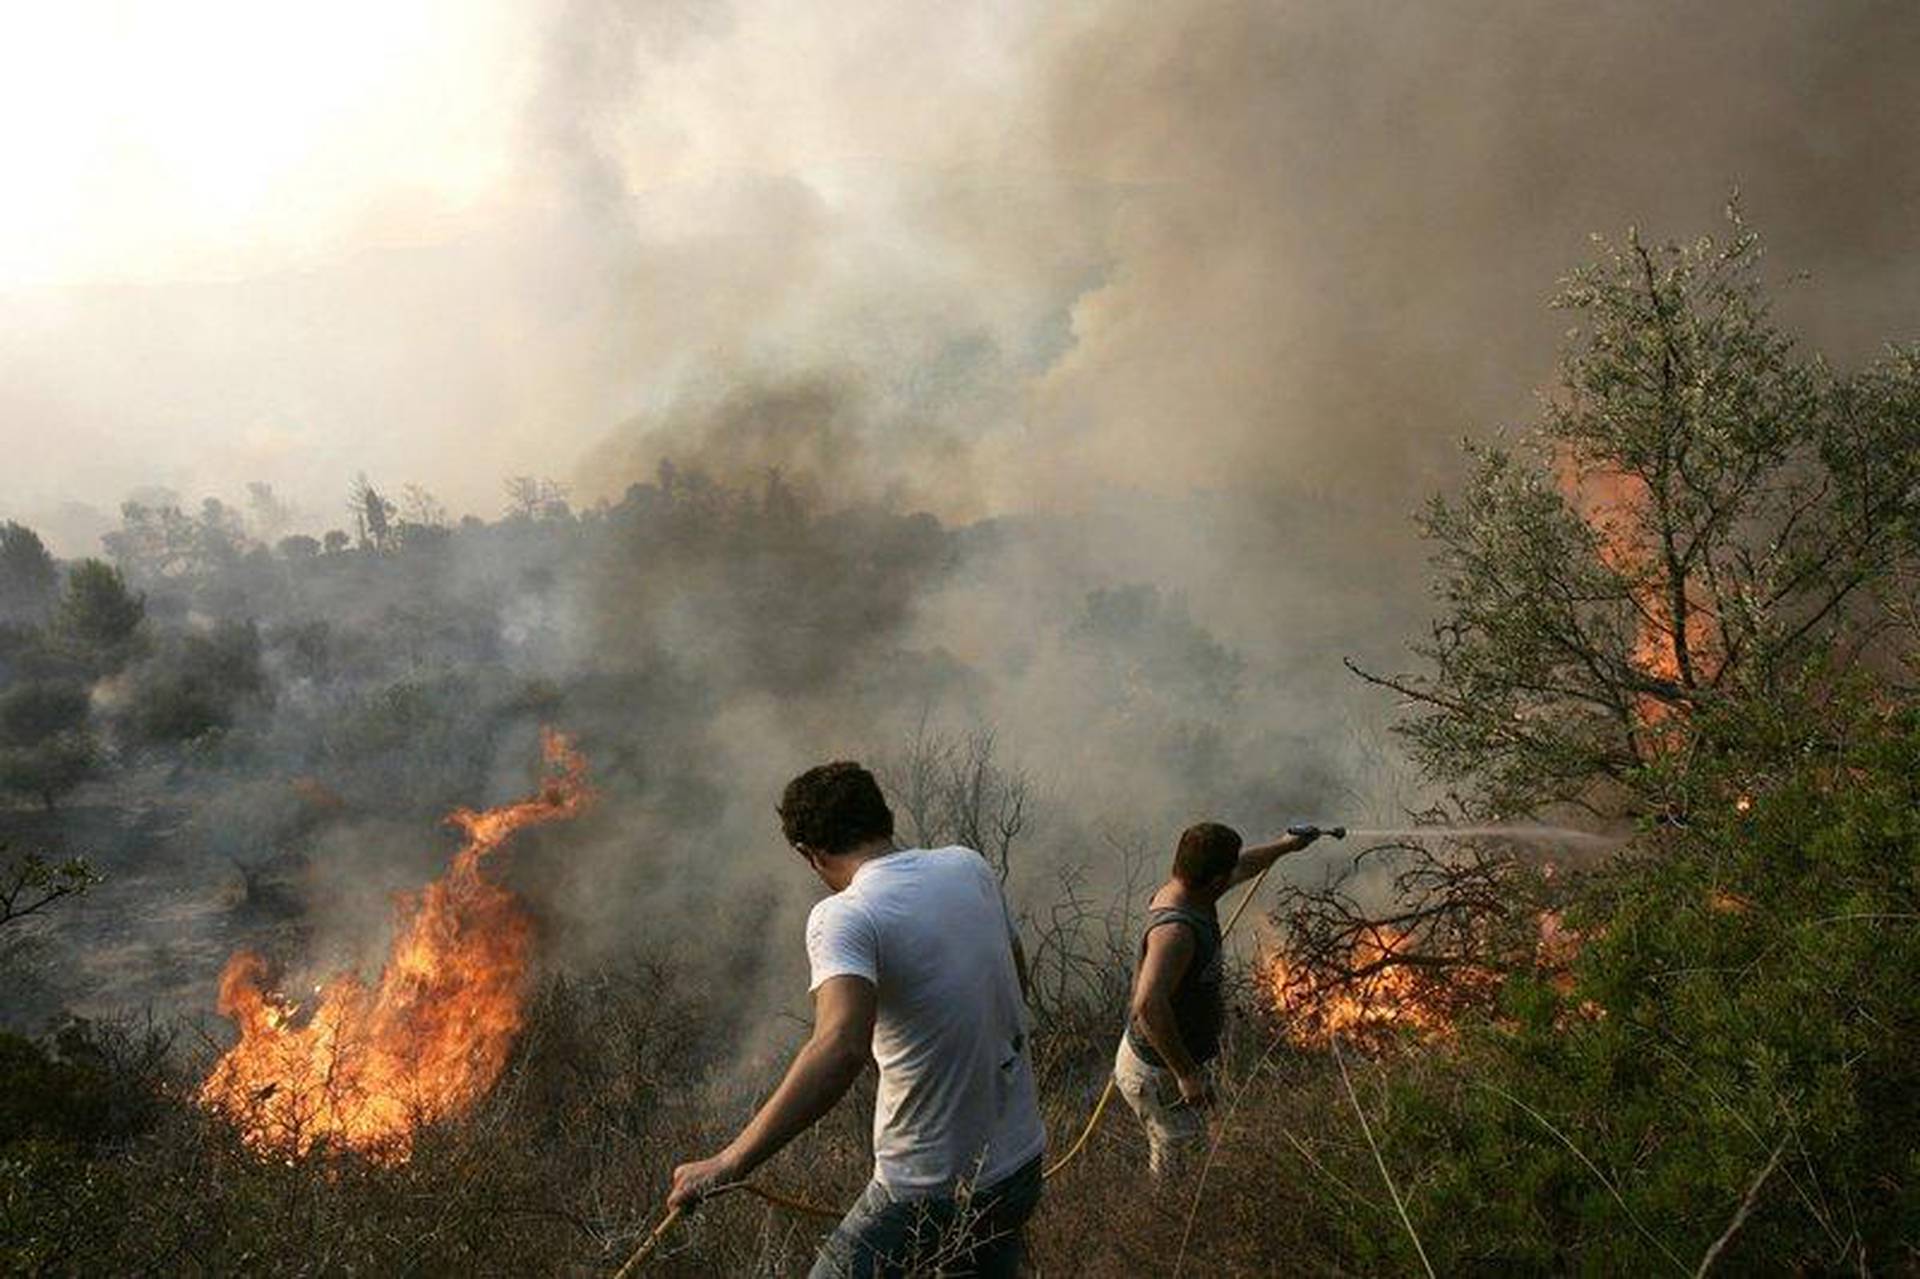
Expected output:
(834, 807)
(1207, 851)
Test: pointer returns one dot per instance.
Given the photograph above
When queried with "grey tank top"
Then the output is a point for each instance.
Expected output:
(1199, 1000)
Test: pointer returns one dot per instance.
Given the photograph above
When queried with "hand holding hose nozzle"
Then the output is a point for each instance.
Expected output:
(1308, 831)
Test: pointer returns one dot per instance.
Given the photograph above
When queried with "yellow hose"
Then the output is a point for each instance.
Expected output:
(779, 1200)
(1093, 1121)
(645, 1250)
(1252, 889)
(1106, 1094)
(799, 1205)
(773, 1197)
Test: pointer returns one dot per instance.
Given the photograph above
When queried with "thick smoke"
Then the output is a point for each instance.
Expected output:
(1278, 249)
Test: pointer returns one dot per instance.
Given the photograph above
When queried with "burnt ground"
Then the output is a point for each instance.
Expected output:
(154, 935)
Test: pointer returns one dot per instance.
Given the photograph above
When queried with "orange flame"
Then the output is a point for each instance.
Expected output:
(1724, 901)
(372, 1064)
(1615, 507)
(1390, 1001)
(1395, 999)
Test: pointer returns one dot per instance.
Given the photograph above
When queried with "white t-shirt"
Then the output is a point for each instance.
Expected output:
(930, 930)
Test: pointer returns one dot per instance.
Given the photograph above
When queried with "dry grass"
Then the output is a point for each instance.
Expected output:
(562, 1169)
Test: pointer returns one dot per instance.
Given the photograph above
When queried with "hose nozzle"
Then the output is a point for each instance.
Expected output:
(1307, 830)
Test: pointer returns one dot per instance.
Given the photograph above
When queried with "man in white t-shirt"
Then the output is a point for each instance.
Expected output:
(916, 966)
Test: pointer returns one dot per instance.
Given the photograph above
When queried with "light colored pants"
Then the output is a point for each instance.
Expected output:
(1174, 1129)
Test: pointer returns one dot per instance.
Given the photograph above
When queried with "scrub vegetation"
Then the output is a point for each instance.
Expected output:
(1682, 606)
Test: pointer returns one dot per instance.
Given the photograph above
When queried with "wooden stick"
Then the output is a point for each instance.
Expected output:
(645, 1250)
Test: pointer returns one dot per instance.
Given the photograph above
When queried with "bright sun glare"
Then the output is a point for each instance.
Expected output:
(145, 139)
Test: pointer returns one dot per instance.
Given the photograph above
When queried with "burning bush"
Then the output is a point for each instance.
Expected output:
(1704, 514)
(368, 1065)
(1381, 993)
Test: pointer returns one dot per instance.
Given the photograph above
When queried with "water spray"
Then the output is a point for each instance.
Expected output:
(1517, 832)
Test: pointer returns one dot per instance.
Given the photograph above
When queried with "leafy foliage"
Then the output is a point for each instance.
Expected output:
(1152, 647)
(46, 747)
(28, 577)
(159, 540)
(98, 617)
(1734, 1053)
(49, 767)
(1701, 514)
(1679, 599)
(30, 883)
(197, 683)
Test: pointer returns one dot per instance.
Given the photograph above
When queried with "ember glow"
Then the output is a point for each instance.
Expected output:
(1385, 1000)
(1555, 950)
(370, 1064)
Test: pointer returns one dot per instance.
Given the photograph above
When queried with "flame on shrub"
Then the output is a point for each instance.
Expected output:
(1378, 993)
(428, 1038)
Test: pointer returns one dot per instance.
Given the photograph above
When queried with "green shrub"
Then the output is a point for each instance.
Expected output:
(1740, 1042)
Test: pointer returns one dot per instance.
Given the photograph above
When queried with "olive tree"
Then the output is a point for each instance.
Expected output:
(1702, 514)
(1693, 557)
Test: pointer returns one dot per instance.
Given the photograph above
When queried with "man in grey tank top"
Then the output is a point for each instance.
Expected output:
(1178, 1008)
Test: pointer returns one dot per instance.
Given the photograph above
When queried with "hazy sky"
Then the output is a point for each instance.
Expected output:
(1038, 251)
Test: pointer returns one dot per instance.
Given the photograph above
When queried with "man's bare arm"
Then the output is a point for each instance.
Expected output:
(821, 1073)
(1260, 856)
(1170, 949)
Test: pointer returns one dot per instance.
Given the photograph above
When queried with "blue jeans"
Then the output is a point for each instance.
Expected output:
(883, 1237)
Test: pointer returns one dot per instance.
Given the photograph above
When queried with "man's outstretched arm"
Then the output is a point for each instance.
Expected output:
(821, 1073)
(1257, 858)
